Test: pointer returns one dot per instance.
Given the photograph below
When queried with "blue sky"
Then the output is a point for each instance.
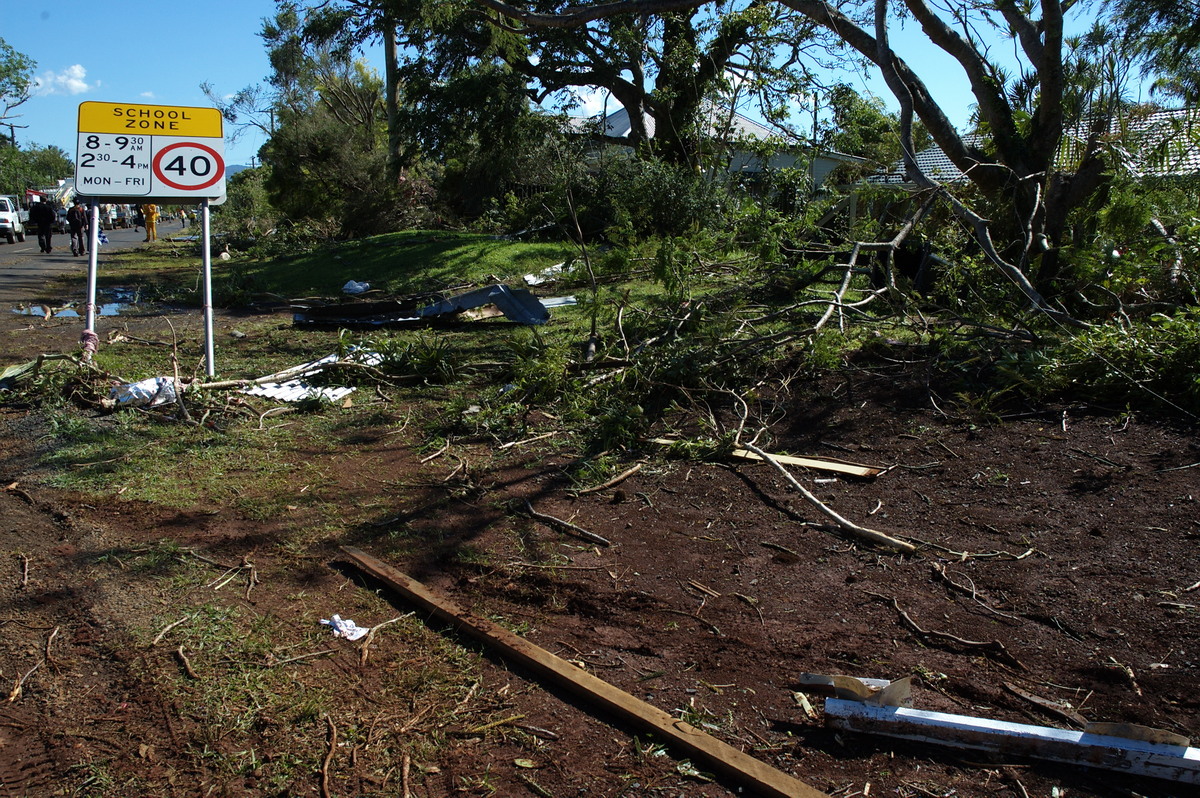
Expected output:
(160, 53)
(156, 53)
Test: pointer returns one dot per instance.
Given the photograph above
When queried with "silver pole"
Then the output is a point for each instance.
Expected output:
(93, 240)
(208, 300)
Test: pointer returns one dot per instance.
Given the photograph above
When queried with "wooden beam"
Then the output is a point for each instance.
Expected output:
(759, 777)
(1173, 762)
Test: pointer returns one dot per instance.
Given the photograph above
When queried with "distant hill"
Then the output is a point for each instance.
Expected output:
(233, 169)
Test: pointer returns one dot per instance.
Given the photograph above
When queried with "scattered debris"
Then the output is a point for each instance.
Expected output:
(354, 288)
(861, 532)
(344, 627)
(517, 305)
(150, 392)
(293, 385)
(759, 777)
(1126, 748)
(548, 274)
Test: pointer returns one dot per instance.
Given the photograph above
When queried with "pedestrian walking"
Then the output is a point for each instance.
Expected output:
(79, 222)
(43, 215)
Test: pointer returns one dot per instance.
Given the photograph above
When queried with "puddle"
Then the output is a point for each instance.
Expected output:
(69, 311)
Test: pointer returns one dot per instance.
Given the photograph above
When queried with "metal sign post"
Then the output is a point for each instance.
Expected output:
(128, 152)
(210, 365)
(93, 241)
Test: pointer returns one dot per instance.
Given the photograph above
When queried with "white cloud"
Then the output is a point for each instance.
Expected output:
(593, 102)
(72, 80)
(149, 95)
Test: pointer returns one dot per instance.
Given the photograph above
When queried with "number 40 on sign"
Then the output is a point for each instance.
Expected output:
(149, 151)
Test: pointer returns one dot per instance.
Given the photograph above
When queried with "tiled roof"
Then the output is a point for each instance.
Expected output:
(1154, 144)
(718, 122)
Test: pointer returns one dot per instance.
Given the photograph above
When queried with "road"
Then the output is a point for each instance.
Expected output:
(24, 271)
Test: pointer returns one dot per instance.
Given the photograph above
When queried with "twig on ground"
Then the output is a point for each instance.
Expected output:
(436, 454)
(186, 663)
(158, 638)
(993, 647)
(511, 444)
(860, 532)
(565, 526)
(19, 687)
(940, 570)
(328, 757)
(370, 637)
(24, 571)
(617, 480)
(1128, 671)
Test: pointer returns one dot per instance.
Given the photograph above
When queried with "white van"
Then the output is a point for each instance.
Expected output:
(12, 220)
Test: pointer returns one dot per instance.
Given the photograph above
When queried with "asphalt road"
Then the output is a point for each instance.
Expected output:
(24, 271)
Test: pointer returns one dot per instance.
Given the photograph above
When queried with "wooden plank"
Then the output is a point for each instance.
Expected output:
(819, 464)
(1175, 763)
(812, 462)
(761, 778)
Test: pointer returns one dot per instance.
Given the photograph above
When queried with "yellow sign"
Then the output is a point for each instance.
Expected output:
(160, 120)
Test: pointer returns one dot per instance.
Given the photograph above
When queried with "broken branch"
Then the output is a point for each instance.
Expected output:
(854, 529)
(565, 526)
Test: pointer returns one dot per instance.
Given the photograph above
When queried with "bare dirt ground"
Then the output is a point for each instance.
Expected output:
(1070, 533)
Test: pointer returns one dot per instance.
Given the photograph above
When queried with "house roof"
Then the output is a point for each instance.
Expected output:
(718, 122)
(932, 161)
(1153, 144)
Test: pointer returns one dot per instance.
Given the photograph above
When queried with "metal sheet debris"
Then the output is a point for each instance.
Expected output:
(1120, 747)
(291, 385)
(516, 304)
(545, 275)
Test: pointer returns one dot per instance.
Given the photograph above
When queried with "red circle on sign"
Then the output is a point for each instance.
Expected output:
(179, 186)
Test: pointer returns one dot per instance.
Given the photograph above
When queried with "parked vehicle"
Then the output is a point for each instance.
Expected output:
(12, 220)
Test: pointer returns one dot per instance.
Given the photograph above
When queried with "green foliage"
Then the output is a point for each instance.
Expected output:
(1150, 364)
(629, 199)
(22, 167)
(16, 79)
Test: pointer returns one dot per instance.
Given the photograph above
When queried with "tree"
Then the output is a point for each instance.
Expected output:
(661, 68)
(1024, 114)
(16, 83)
(22, 167)
(1166, 36)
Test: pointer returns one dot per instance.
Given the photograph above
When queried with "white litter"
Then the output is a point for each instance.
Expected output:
(151, 392)
(355, 287)
(344, 627)
(297, 389)
(545, 275)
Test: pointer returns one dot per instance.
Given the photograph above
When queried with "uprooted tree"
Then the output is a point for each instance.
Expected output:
(1043, 155)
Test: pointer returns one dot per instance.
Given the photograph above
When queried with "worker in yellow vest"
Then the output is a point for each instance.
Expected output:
(150, 212)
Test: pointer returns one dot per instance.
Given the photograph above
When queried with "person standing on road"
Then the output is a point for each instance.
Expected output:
(79, 224)
(42, 214)
(150, 212)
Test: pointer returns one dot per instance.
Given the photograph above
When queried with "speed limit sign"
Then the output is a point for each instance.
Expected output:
(160, 152)
(188, 166)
